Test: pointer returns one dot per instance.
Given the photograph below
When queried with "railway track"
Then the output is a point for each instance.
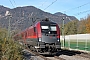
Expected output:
(64, 54)
(55, 58)
(31, 55)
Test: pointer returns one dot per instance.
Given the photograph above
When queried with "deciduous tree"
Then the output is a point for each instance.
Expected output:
(88, 24)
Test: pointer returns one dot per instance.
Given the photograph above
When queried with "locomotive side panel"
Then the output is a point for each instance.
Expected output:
(31, 36)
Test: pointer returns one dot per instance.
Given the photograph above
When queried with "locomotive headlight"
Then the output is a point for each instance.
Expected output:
(58, 39)
(39, 39)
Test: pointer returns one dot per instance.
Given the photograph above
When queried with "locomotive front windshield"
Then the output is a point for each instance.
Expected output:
(53, 28)
(44, 27)
(49, 29)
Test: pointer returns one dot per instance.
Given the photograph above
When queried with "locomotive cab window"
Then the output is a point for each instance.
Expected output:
(53, 28)
(45, 29)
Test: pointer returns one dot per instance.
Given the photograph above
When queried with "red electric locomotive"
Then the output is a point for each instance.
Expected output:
(44, 36)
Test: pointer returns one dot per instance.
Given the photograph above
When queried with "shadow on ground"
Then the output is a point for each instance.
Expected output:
(68, 52)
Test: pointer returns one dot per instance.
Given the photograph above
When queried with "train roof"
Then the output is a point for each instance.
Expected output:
(46, 22)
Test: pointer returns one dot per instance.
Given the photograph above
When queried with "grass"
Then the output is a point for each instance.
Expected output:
(80, 45)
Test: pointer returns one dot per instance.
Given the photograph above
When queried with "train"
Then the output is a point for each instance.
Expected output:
(42, 37)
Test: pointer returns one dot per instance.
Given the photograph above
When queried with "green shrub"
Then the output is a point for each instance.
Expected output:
(9, 50)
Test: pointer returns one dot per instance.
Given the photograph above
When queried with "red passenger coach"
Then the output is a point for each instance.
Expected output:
(44, 36)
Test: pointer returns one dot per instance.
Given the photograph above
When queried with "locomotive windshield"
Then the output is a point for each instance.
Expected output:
(49, 29)
(53, 28)
(44, 27)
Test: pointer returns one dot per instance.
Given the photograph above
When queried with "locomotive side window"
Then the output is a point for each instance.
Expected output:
(34, 29)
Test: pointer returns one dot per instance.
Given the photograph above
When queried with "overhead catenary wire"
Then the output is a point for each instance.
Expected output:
(11, 3)
(50, 4)
(81, 12)
(43, 3)
(14, 2)
(76, 7)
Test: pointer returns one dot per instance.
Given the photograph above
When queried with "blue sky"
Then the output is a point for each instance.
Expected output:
(77, 8)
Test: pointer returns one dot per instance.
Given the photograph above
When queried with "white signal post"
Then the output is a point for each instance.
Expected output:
(9, 27)
(63, 33)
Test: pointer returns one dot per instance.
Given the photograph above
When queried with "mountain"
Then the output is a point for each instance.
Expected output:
(65, 16)
(60, 14)
(23, 17)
